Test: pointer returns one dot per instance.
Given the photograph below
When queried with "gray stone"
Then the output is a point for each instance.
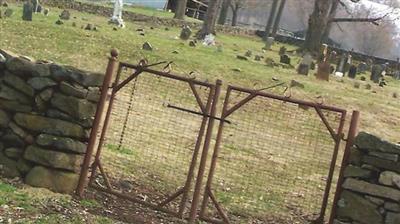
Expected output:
(49, 125)
(355, 171)
(19, 84)
(356, 208)
(383, 155)
(59, 115)
(147, 46)
(77, 108)
(59, 22)
(57, 181)
(94, 94)
(186, 32)
(15, 106)
(41, 70)
(388, 177)
(24, 166)
(370, 142)
(381, 163)
(41, 105)
(8, 13)
(12, 140)
(8, 167)
(65, 15)
(257, 58)
(84, 78)
(285, 59)
(392, 218)
(376, 201)
(355, 156)
(18, 131)
(192, 43)
(59, 160)
(269, 42)
(240, 57)
(71, 90)
(89, 26)
(46, 94)
(27, 11)
(394, 207)
(19, 66)
(60, 143)
(371, 189)
(9, 93)
(4, 119)
(14, 153)
(46, 11)
(39, 83)
(248, 53)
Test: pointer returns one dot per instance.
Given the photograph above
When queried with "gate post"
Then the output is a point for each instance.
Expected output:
(96, 123)
(349, 143)
(203, 161)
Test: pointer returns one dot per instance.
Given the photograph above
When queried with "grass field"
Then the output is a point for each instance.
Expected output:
(269, 142)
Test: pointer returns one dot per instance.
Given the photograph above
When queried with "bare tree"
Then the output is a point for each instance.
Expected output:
(278, 17)
(271, 18)
(320, 19)
(224, 12)
(180, 9)
(210, 20)
(236, 5)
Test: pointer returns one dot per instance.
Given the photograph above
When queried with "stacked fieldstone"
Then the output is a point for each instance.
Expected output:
(371, 189)
(46, 114)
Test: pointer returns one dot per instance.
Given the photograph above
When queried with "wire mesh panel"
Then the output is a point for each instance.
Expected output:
(154, 129)
(273, 161)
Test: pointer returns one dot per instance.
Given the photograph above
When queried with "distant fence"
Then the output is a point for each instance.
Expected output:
(271, 158)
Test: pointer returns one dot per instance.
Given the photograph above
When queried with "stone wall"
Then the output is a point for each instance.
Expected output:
(371, 188)
(132, 16)
(46, 114)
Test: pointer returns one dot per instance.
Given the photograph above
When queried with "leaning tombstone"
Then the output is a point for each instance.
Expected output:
(269, 43)
(305, 64)
(282, 50)
(323, 70)
(352, 71)
(46, 11)
(285, 59)
(186, 32)
(376, 73)
(27, 11)
(65, 15)
(362, 67)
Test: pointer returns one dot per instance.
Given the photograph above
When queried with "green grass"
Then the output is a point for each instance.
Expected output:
(155, 151)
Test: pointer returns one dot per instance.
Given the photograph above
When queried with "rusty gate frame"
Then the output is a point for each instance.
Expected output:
(337, 136)
(208, 111)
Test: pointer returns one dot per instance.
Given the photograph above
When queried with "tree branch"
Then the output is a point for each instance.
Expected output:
(355, 20)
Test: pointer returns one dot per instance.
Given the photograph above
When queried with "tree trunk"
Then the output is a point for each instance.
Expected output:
(271, 19)
(317, 25)
(180, 9)
(332, 15)
(224, 12)
(235, 12)
(278, 18)
(210, 20)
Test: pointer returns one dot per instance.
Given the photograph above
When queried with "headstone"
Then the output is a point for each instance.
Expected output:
(35, 4)
(39, 9)
(258, 58)
(376, 73)
(352, 71)
(27, 11)
(305, 64)
(349, 61)
(117, 14)
(8, 12)
(186, 32)
(340, 67)
(248, 53)
(46, 11)
(192, 43)
(269, 43)
(65, 15)
(396, 75)
(362, 67)
(89, 26)
(332, 69)
(282, 50)
(323, 71)
(59, 22)
(147, 46)
(285, 59)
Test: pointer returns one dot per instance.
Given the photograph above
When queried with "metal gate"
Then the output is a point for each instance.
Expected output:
(152, 133)
(273, 160)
